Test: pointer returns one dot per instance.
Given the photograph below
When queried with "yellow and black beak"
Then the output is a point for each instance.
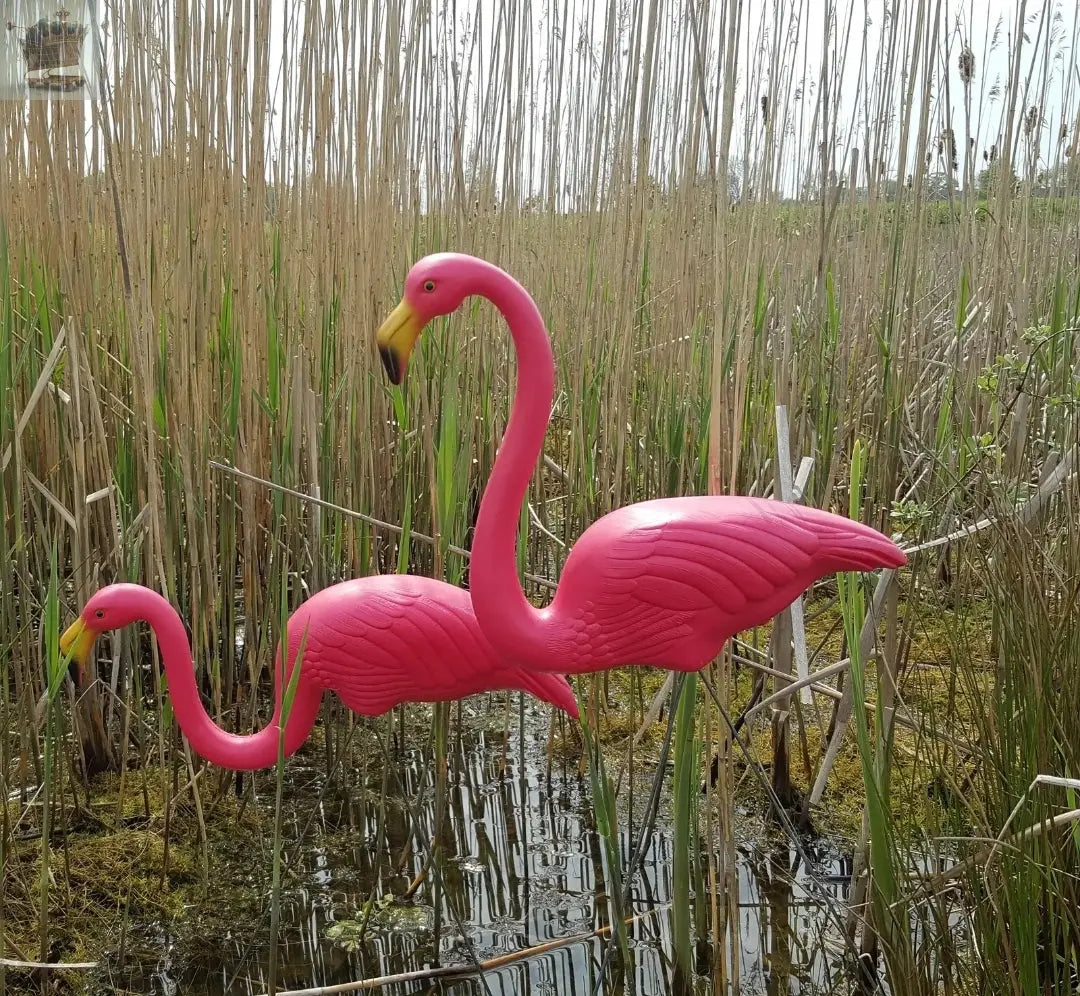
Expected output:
(396, 338)
(78, 639)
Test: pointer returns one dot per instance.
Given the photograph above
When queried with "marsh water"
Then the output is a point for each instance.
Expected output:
(520, 863)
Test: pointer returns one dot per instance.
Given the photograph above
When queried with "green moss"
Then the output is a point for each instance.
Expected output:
(115, 869)
(941, 700)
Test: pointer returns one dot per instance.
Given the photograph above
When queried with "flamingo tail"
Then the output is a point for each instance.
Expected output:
(549, 687)
(847, 545)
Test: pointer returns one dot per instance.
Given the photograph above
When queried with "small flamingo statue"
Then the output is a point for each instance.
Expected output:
(376, 641)
(663, 583)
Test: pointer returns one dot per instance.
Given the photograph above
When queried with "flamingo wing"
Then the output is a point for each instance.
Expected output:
(667, 582)
(383, 640)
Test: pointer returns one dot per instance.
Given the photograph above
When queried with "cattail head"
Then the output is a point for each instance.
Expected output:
(966, 63)
(947, 147)
(1031, 120)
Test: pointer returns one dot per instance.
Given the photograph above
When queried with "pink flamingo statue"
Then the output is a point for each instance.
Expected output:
(376, 641)
(663, 583)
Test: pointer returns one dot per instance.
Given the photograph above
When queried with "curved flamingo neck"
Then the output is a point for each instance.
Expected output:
(510, 622)
(207, 739)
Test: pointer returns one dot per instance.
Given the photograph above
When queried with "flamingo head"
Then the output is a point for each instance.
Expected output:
(436, 285)
(109, 608)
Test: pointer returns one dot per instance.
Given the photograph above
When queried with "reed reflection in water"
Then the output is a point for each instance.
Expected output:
(520, 862)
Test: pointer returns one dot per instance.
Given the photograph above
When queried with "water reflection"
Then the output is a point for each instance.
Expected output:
(520, 863)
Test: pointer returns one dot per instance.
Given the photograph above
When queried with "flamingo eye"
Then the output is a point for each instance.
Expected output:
(100, 613)
(429, 285)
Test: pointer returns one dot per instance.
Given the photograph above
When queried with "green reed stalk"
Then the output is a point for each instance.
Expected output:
(889, 913)
(288, 696)
(56, 667)
(607, 826)
(684, 836)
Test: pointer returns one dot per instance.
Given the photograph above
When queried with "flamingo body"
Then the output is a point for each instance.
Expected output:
(376, 642)
(667, 582)
(662, 583)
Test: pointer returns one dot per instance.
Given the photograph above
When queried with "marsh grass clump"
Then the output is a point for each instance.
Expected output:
(1026, 891)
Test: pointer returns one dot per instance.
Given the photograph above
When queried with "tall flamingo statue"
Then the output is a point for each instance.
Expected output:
(663, 583)
(376, 641)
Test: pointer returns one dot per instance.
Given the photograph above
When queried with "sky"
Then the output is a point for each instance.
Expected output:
(991, 28)
(796, 27)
